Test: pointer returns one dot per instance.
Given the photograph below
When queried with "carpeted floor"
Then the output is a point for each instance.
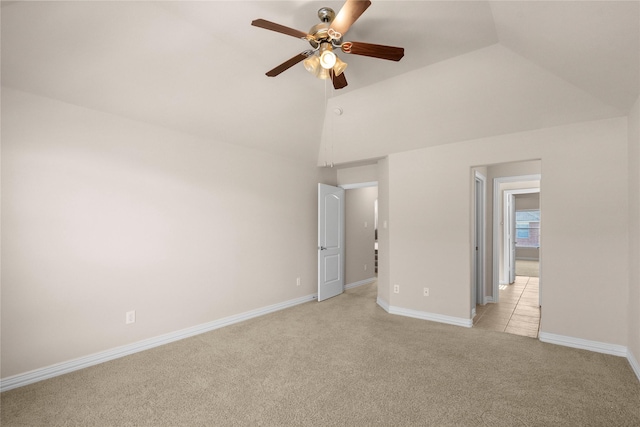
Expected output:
(341, 362)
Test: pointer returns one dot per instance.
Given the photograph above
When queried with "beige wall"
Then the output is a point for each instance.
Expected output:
(447, 102)
(634, 233)
(527, 201)
(584, 168)
(360, 234)
(358, 174)
(101, 215)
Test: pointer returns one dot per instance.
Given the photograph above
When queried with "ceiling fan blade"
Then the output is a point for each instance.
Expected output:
(349, 13)
(391, 53)
(268, 25)
(287, 64)
(338, 81)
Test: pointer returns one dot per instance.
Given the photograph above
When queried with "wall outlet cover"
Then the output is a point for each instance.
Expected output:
(130, 317)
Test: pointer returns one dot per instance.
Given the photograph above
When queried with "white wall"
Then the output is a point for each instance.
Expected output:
(101, 215)
(634, 234)
(584, 169)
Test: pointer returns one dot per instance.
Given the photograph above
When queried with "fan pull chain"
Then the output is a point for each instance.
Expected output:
(331, 131)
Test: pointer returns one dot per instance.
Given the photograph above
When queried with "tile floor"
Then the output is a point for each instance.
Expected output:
(517, 311)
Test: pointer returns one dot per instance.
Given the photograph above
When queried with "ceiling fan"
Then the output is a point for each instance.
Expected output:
(320, 60)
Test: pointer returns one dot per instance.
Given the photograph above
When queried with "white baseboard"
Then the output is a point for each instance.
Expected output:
(598, 347)
(360, 283)
(441, 318)
(115, 353)
(634, 364)
(382, 303)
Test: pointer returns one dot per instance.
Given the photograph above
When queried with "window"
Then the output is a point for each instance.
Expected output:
(528, 228)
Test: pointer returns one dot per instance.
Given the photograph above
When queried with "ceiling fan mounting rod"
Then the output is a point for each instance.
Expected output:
(326, 14)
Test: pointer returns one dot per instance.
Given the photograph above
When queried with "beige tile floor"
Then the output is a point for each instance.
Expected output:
(517, 311)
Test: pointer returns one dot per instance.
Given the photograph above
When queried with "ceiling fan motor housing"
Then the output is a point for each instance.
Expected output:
(320, 33)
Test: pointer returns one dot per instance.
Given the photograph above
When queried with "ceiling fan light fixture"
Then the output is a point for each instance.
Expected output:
(328, 60)
(327, 57)
(312, 64)
(339, 67)
(323, 74)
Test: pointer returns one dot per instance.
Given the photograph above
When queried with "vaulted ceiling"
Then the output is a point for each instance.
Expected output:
(471, 69)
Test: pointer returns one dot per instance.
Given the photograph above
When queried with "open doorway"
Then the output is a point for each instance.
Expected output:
(478, 295)
(513, 298)
(361, 234)
(527, 221)
(521, 231)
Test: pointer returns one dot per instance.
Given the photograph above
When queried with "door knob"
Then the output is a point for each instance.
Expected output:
(322, 248)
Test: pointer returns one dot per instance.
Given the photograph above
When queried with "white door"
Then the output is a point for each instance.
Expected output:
(330, 241)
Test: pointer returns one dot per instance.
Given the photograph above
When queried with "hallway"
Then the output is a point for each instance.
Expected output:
(517, 312)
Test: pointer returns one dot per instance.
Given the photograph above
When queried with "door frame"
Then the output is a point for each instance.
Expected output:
(497, 202)
(479, 259)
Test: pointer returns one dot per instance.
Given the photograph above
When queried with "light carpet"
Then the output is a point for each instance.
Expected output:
(341, 362)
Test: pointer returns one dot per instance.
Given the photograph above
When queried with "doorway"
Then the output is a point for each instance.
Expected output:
(505, 241)
(514, 300)
(478, 247)
(361, 234)
(521, 233)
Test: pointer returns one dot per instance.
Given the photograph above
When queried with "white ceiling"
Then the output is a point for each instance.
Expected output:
(198, 66)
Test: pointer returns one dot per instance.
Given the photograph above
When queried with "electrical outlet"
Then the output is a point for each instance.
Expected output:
(426, 292)
(298, 281)
(366, 224)
(396, 289)
(130, 317)
(365, 267)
